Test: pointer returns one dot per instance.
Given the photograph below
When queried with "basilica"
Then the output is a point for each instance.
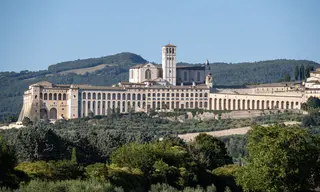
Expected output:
(161, 87)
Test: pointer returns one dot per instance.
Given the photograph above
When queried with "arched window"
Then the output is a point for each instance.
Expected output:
(103, 96)
(89, 95)
(45, 97)
(172, 50)
(55, 96)
(64, 96)
(148, 74)
(84, 95)
(93, 95)
(99, 95)
(50, 96)
(59, 96)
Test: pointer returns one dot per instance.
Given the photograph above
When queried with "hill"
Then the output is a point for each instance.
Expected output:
(111, 69)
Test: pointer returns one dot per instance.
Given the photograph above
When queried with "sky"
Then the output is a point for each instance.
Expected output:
(37, 33)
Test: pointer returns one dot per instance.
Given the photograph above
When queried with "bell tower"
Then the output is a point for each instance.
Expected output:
(169, 63)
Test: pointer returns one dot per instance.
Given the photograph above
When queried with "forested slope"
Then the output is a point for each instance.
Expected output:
(12, 84)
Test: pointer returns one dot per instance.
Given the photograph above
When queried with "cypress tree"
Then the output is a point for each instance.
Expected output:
(296, 73)
(307, 71)
(302, 76)
(74, 155)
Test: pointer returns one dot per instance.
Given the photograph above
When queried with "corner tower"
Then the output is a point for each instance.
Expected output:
(169, 63)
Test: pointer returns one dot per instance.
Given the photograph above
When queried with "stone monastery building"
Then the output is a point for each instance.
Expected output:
(161, 87)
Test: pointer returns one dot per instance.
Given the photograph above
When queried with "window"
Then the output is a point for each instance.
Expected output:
(59, 96)
(172, 50)
(147, 74)
(45, 97)
(84, 95)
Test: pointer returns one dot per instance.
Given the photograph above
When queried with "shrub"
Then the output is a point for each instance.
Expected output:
(69, 186)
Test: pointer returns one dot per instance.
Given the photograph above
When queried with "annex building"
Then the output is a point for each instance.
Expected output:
(161, 87)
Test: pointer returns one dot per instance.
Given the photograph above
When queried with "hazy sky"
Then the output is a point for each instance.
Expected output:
(37, 33)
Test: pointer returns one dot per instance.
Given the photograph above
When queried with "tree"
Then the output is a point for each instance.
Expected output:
(286, 78)
(74, 155)
(313, 102)
(280, 159)
(210, 151)
(296, 73)
(307, 71)
(26, 121)
(8, 176)
(302, 76)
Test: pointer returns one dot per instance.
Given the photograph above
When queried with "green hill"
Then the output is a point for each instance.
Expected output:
(116, 69)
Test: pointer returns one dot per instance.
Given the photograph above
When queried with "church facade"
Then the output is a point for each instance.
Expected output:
(161, 87)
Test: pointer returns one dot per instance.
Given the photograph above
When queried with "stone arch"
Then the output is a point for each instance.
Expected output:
(215, 104)
(43, 114)
(248, 104)
(292, 105)
(133, 96)
(253, 104)
(64, 96)
(103, 107)
(59, 96)
(94, 107)
(224, 104)
(262, 104)
(147, 74)
(53, 113)
(128, 96)
(84, 95)
(45, 96)
(99, 95)
(98, 107)
(234, 104)
(94, 96)
(258, 104)
(55, 96)
(83, 108)
(282, 104)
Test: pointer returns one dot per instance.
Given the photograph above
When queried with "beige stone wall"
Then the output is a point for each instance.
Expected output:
(253, 102)
(142, 99)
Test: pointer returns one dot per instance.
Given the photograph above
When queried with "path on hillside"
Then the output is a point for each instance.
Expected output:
(226, 132)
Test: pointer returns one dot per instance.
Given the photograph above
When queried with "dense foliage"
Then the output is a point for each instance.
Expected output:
(280, 159)
(139, 152)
